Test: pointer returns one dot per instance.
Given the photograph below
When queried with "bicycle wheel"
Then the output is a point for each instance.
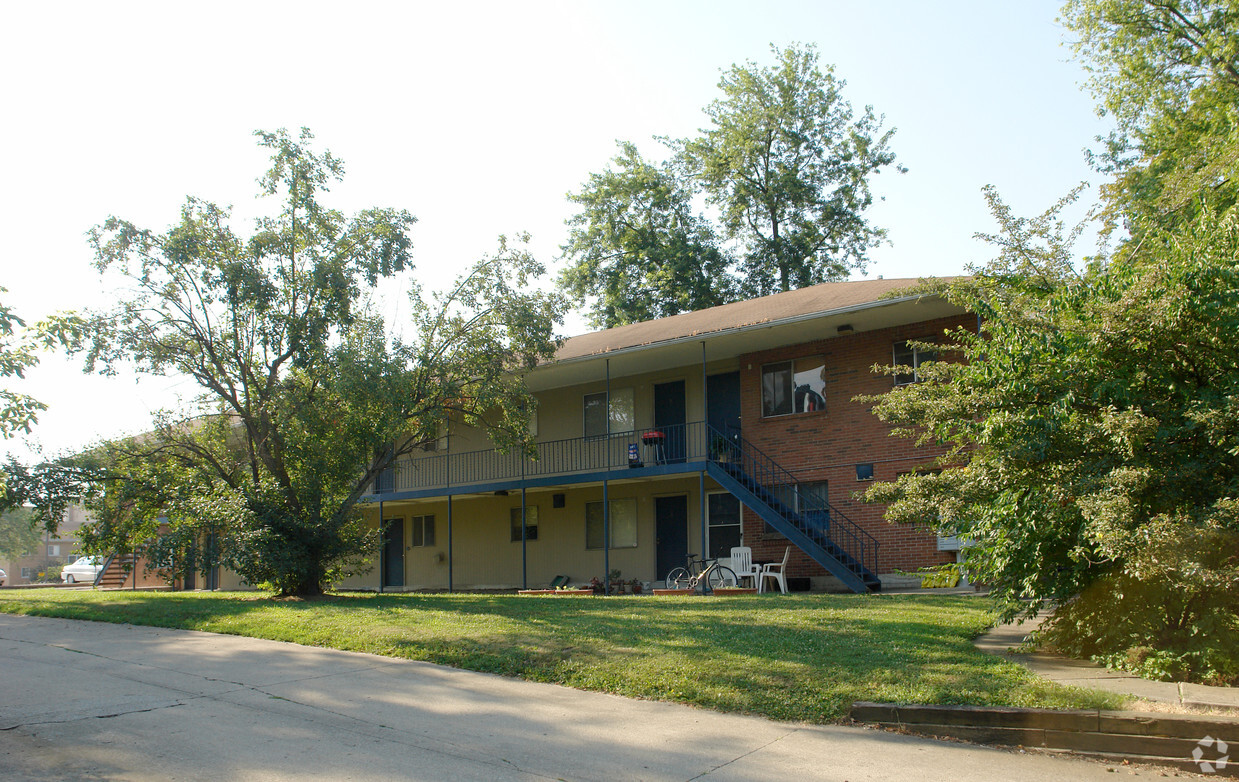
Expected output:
(679, 579)
(722, 576)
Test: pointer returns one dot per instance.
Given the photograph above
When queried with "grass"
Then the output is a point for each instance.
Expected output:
(795, 657)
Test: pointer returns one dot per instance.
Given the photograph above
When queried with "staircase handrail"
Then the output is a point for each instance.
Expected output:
(107, 563)
(864, 546)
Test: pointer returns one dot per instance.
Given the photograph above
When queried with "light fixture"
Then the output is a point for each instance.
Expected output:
(846, 328)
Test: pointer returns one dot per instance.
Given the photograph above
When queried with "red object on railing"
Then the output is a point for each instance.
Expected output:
(653, 437)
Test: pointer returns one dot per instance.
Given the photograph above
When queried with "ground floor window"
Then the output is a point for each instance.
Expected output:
(807, 497)
(531, 523)
(423, 531)
(724, 517)
(623, 524)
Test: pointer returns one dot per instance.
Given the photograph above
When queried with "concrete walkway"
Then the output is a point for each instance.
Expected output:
(94, 701)
(1082, 673)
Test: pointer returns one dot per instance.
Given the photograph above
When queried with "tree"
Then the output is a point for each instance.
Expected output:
(1093, 440)
(639, 248)
(787, 162)
(1167, 71)
(19, 535)
(19, 348)
(306, 394)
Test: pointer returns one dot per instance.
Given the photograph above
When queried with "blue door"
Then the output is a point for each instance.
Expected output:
(671, 529)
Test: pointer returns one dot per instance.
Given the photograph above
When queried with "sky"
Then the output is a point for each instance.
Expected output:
(479, 117)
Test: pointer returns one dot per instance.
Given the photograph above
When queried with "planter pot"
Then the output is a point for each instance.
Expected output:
(675, 591)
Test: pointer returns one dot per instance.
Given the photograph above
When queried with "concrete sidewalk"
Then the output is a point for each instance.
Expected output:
(1083, 673)
(85, 700)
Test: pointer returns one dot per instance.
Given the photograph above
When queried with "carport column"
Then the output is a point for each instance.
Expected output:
(524, 549)
(705, 404)
(701, 493)
(606, 540)
(382, 553)
(606, 503)
(447, 475)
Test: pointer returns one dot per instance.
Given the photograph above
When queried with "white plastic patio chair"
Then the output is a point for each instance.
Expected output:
(742, 564)
(776, 571)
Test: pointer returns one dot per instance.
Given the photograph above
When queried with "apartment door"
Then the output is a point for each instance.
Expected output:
(671, 533)
(670, 419)
(723, 404)
(393, 553)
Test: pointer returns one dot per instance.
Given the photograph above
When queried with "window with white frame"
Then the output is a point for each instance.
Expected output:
(26, 573)
(53, 551)
(531, 523)
(623, 524)
(908, 355)
(602, 419)
(790, 387)
(422, 531)
(724, 518)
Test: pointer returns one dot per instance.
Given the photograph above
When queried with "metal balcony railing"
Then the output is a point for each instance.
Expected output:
(574, 456)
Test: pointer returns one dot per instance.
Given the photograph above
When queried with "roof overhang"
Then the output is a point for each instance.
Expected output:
(729, 343)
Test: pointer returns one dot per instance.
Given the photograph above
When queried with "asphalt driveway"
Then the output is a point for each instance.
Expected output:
(87, 700)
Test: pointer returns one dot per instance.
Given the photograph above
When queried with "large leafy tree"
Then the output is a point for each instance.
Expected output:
(787, 162)
(1167, 72)
(1093, 426)
(307, 394)
(639, 248)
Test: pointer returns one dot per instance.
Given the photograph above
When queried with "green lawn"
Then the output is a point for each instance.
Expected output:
(794, 657)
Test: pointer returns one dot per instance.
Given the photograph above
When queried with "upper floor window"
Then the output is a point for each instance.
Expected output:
(908, 356)
(793, 386)
(599, 422)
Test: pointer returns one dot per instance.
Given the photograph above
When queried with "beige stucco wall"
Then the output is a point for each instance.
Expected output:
(484, 557)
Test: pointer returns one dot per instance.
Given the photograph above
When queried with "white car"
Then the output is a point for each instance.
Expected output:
(82, 570)
(4, 578)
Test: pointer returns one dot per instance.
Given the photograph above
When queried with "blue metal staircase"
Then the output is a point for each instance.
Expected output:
(815, 527)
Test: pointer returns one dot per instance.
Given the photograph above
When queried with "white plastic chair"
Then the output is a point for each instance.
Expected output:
(775, 571)
(742, 564)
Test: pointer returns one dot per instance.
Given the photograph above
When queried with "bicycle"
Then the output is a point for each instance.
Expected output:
(698, 571)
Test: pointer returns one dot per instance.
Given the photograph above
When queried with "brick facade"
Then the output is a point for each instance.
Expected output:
(827, 445)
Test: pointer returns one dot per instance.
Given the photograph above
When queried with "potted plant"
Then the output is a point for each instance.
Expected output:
(636, 586)
(596, 585)
(617, 583)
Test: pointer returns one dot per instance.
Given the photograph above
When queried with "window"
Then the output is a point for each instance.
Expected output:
(423, 531)
(531, 523)
(53, 551)
(808, 497)
(908, 356)
(26, 573)
(864, 472)
(621, 418)
(793, 387)
(623, 524)
(72, 558)
(724, 516)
